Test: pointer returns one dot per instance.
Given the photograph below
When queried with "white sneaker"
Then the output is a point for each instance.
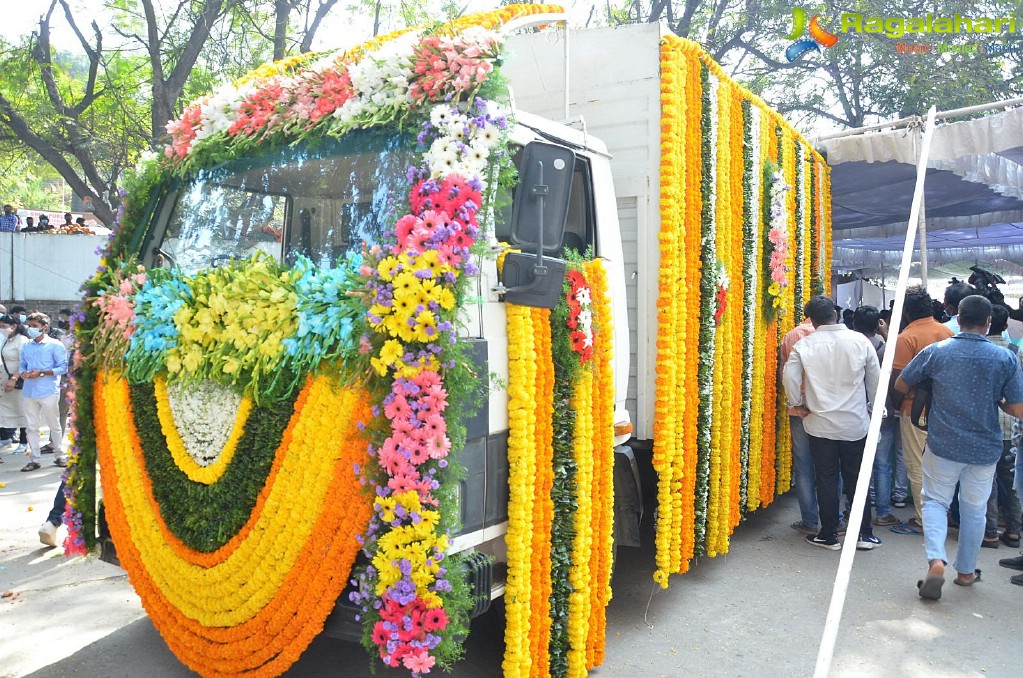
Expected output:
(48, 533)
(20, 448)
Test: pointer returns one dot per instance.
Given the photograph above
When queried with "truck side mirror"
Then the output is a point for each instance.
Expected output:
(538, 224)
(541, 202)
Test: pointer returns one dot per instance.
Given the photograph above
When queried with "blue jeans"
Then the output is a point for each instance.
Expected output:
(940, 478)
(1019, 472)
(901, 477)
(802, 472)
(59, 502)
(883, 465)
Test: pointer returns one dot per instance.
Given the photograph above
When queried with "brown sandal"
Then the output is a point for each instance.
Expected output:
(976, 578)
(30, 466)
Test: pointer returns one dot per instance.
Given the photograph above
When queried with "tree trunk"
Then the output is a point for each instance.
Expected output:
(282, 11)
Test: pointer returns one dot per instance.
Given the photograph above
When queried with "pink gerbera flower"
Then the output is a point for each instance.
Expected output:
(419, 662)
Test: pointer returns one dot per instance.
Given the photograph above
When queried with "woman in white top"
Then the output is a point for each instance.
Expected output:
(12, 413)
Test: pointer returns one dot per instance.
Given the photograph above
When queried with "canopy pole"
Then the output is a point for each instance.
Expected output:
(827, 647)
(904, 122)
(922, 233)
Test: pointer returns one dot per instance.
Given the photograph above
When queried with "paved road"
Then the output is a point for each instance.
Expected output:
(758, 611)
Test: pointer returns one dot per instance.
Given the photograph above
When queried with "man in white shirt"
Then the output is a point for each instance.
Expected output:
(832, 373)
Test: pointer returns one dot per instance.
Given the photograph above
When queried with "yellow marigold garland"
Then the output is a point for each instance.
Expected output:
(522, 405)
(720, 424)
(765, 468)
(602, 489)
(579, 575)
(196, 473)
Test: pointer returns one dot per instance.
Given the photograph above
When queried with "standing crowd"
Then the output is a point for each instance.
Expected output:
(949, 432)
(10, 221)
(34, 355)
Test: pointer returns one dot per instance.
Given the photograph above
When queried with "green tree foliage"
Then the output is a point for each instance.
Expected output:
(88, 109)
(863, 79)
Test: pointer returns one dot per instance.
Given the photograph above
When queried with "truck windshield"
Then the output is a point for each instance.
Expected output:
(317, 200)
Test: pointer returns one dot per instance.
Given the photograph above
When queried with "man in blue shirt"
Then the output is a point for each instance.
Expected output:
(8, 220)
(43, 361)
(971, 378)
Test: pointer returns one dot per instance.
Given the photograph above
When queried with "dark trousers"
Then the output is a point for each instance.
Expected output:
(9, 433)
(59, 503)
(835, 460)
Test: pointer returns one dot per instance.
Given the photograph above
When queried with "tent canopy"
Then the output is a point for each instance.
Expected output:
(973, 196)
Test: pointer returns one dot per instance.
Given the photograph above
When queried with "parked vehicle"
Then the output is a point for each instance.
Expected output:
(590, 138)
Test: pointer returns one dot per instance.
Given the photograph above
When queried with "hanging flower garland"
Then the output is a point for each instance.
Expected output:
(720, 404)
(524, 401)
(750, 239)
(561, 460)
(705, 380)
(415, 293)
(801, 281)
(602, 492)
(672, 293)
(776, 250)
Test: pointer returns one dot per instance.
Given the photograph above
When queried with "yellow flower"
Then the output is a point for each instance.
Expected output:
(386, 268)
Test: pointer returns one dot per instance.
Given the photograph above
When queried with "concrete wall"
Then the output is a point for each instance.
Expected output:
(43, 267)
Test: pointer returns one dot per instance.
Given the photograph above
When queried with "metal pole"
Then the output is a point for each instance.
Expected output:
(921, 231)
(827, 647)
(902, 122)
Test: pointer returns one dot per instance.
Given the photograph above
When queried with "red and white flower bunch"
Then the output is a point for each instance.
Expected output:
(580, 315)
(342, 91)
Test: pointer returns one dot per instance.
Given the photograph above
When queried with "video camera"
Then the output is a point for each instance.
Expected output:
(985, 282)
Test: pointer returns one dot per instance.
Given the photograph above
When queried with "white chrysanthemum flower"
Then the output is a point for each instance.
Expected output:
(441, 116)
(477, 154)
(204, 415)
(487, 136)
(440, 168)
(583, 296)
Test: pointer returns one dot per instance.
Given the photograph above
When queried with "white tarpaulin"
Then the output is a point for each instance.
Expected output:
(973, 196)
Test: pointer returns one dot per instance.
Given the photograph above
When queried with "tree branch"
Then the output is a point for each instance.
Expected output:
(321, 12)
(41, 55)
(10, 117)
(94, 58)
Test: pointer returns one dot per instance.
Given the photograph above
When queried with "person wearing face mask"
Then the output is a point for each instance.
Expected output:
(43, 361)
(21, 313)
(12, 410)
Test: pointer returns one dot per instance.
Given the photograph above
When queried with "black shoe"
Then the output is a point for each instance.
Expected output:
(990, 543)
(830, 543)
(1012, 563)
(1017, 579)
(899, 503)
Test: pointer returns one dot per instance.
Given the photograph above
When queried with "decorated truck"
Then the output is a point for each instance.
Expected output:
(381, 329)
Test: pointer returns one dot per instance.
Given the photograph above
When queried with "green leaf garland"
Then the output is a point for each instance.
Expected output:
(205, 517)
